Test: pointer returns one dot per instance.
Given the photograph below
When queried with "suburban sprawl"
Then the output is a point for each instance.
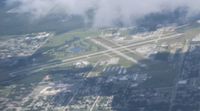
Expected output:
(106, 69)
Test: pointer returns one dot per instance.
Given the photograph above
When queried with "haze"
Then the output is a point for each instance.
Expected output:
(106, 12)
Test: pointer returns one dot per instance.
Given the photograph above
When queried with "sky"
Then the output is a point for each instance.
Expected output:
(106, 12)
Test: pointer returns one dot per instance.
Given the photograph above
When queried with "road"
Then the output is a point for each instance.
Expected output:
(95, 102)
(181, 64)
(81, 85)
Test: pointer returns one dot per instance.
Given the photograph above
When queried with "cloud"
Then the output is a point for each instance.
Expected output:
(106, 12)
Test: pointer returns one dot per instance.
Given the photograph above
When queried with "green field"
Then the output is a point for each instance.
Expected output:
(60, 39)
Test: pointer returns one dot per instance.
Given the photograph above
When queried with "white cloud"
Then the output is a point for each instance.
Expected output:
(106, 11)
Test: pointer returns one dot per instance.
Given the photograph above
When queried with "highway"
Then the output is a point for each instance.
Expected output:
(181, 64)
(94, 104)
(78, 90)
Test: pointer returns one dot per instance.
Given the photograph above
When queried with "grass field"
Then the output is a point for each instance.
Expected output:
(60, 39)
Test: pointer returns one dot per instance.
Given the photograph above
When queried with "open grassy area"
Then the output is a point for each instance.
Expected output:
(60, 39)
(71, 44)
